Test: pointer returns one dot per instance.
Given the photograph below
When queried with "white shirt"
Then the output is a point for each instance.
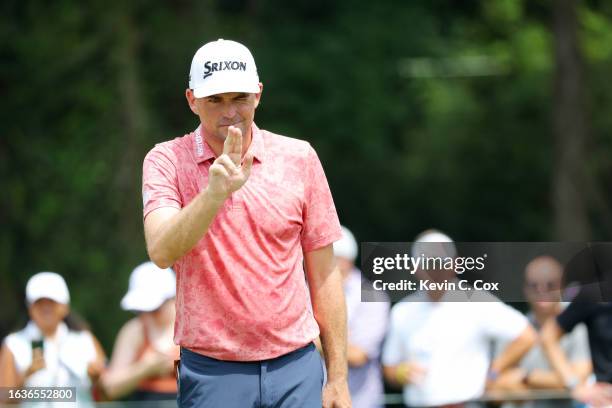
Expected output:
(367, 323)
(67, 356)
(451, 340)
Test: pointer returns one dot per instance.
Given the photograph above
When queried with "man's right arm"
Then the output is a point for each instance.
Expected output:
(404, 373)
(515, 350)
(550, 335)
(171, 232)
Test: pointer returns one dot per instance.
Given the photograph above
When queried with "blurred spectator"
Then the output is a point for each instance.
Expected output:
(439, 351)
(142, 362)
(543, 278)
(367, 322)
(53, 350)
(597, 316)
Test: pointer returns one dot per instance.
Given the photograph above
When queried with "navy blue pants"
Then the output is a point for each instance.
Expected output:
(289, 381)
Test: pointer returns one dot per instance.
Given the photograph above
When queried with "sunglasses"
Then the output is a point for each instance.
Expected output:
(545, 286)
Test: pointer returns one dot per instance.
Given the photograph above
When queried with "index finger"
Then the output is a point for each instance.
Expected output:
(236, 144)
(228, 144)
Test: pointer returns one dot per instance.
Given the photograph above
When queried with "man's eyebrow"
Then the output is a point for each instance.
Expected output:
(241, 95)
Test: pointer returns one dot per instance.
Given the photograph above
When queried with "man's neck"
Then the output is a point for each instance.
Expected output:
(435, 295)
(541, 316)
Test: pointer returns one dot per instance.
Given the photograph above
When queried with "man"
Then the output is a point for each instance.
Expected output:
(367, 322)
(237, 211)
(543, 277)
(439, 350)
(588, 308)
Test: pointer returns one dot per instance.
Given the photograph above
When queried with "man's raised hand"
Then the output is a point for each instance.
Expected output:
(226, 174)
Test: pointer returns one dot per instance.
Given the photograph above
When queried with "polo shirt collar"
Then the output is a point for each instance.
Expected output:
(257, 147)
(203, 152)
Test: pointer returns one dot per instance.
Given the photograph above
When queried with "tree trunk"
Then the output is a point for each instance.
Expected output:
(135, 125)
(570, 128)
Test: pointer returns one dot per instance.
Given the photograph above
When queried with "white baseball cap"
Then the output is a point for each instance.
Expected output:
(47, 285)
(433, 243)
(149, 287)
(346, 247)
(223, 66)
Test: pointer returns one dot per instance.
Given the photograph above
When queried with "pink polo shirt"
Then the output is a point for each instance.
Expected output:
(241, 291)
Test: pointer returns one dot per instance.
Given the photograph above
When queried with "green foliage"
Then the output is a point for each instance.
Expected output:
(424, 114)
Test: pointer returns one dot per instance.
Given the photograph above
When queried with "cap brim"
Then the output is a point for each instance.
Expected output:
(141, 302)
(33, 297)
(219, 87)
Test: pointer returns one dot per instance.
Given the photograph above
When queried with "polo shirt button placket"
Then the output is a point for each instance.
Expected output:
(228, 204)
(236, 201)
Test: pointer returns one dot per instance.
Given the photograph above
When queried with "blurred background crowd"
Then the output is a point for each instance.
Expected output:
(489, 119)
(439, 352)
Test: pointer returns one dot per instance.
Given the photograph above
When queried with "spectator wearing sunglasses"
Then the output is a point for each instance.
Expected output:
(593, 308)
(542, 289)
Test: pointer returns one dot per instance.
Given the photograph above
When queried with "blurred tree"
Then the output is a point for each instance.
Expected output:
(570, 193)
(424, 114)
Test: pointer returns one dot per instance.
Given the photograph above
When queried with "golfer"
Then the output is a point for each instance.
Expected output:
(246, 219)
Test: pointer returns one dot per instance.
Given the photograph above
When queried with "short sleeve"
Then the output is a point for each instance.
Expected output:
(502, 322)
(159, 181)
(89, 352)
(393, 349)
(321, 226)
(21, 351)
(77, 362)
(579, 344)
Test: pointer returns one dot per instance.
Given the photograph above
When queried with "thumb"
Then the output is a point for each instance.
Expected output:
(247, 165)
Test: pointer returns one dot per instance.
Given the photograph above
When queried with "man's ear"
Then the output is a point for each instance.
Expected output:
(258, 95)
(191, 101)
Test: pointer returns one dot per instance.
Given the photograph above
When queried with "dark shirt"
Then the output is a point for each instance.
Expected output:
(597, 316)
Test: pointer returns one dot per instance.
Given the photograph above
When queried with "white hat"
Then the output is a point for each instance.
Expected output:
(223, 66)
(47, 285)
(347, 246)
(149, 287)
(426, 244)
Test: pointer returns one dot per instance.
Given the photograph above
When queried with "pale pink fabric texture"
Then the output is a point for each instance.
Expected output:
(241, 291)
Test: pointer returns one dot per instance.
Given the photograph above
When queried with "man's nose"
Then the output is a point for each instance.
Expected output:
(229, 110)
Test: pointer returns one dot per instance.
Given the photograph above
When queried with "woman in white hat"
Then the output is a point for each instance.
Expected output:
(51, 351)
(142, 362)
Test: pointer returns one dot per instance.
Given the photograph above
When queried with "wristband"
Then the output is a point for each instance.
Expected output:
(400, 373)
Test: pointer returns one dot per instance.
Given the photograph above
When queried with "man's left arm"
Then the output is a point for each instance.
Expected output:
(502, 322)
(514, 351)
(329, 307)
